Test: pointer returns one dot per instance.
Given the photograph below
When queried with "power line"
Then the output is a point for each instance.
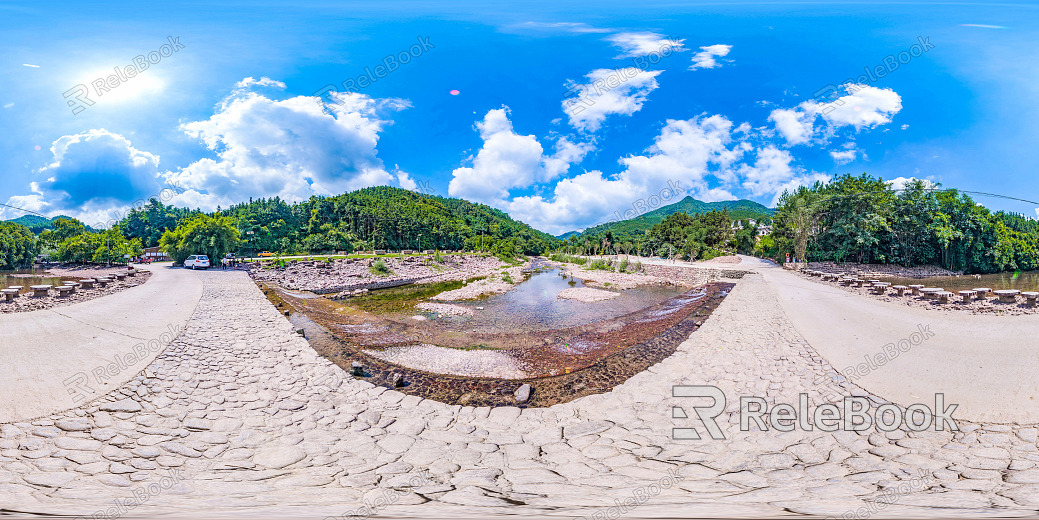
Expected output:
(25, 210)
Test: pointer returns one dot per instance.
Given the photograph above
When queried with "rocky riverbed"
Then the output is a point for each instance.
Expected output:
(26, 302)
(342, 275)
(587, 294)
(881, 270)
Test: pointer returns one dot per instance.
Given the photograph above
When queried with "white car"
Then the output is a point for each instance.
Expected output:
(197, 261)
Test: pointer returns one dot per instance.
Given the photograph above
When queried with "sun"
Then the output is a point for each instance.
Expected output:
(109, 86)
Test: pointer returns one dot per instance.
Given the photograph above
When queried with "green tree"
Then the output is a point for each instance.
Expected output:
(213, 236)
(18, 246)
(798, 215)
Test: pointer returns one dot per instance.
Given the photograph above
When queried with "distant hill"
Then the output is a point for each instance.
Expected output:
(566, 235)
(36, 223)
(738, 210)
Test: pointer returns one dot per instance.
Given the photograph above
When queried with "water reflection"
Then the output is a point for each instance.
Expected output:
(27, 278)
(533, 305)
(1023, 281)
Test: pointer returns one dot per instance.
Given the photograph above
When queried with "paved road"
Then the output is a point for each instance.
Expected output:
(986, 364)
(240, 416)
(41, 351)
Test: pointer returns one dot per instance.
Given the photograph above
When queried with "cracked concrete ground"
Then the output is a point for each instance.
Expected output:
(239, 417)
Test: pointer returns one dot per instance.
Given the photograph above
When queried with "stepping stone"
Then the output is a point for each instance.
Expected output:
(930, 292)
(982, 292)
(1007, 295)
(40, 291)
(1030, 297)
(968, 295)
(916, 289)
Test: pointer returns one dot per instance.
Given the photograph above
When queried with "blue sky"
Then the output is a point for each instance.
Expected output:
(728, 100)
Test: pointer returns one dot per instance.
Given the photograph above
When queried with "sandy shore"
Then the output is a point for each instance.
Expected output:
(445, 309)
(493, 284)
(440, 360)
(611, 279)
(587, 294)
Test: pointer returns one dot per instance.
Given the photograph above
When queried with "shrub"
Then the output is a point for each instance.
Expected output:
(379, 268)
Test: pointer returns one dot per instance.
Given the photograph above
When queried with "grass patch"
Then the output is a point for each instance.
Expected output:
(600, 265)
(567, 259)
(379, 268)
(507, 279)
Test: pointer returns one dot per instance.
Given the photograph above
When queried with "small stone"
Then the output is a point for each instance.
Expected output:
(73, 425)
(71, 443)
(123, 405)
(357, 369)
(523, 393)
(279, 457)
(50, 479)
(398, 380)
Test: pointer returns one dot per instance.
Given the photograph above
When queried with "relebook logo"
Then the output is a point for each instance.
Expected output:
(855, 414)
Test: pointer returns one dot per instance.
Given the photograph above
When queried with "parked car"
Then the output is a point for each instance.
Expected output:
(197, 262)
(266, 253)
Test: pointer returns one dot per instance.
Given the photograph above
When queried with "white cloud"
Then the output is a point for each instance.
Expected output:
(795, 126)
(404, 180)
(863, 107)
(716, 195)
(705, 59)
(509, 160)
(262, 82)
(679, 162)
(637, 44)
(617, 91)
(900, 183)
(30, 65)
(792, 185)
(91, 174)
(573, 27)
(290, 148)
(769, 172)
(9, 105)
(843, 156)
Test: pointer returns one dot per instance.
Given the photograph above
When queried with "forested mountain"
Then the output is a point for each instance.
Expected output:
(632, 228)
(36, 223)
(371, 218)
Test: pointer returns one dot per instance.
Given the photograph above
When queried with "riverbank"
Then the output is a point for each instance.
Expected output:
(988, 306)
(26, 302)
(351, 274)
